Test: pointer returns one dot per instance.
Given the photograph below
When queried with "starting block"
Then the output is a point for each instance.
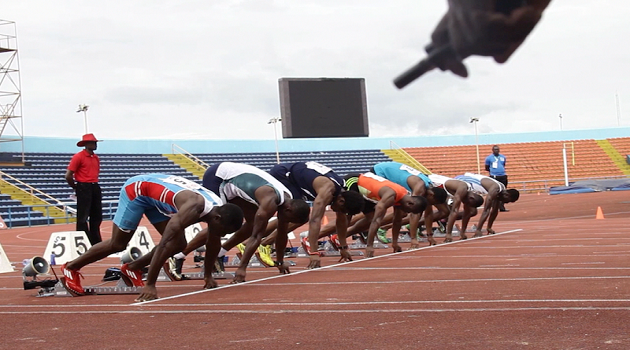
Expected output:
(120, 288)
(5, 264)
(376, 245)
(404, 237)
(456, 231)
(163, 276)
(49, 288)
(253, 262)
(201, 275)
(329, 250)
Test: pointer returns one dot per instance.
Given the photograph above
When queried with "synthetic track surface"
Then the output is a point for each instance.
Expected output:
(554, 278)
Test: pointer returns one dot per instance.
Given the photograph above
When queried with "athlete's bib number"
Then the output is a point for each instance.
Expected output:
(322, 169)
(191, 231)
(182, 182)
(409, 169)
(374, 176)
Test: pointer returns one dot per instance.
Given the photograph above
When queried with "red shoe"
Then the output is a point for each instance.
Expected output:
(334, 241)
(134, 276)
(306, 245)
(72, 280)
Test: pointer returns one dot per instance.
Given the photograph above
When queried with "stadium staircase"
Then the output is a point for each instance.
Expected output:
(187, 163)
(618, 150)
(26, 196)
(399, 155)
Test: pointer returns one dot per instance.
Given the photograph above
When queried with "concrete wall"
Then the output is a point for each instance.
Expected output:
(67, 145)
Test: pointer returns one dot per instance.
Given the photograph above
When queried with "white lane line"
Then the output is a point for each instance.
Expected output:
(515, 279)
(413, 268)
(584, 263)
(521, 256)
(336, 303)
(589, 246)
(334, 311)
(322, 268)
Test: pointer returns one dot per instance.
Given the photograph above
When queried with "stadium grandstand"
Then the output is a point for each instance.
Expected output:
(33, 190)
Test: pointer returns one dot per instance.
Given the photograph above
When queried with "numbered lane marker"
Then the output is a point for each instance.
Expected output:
(5, 264)
(141, 239)
(66, 246)
(192, 231)
(3, 226)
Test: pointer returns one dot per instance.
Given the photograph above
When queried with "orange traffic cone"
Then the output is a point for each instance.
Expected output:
(600, 214)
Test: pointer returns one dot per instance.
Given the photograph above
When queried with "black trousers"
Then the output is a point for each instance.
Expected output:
(504, 180)
(89, 204)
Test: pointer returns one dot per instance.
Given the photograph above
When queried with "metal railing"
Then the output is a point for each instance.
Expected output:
(188, 155)
(534, 186)
(33, 217)
(409, 158)
(33, 190)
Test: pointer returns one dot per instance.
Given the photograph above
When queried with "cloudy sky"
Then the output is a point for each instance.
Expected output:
(210, 69)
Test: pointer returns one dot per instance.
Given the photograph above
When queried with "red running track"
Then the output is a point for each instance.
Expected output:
(554, 278)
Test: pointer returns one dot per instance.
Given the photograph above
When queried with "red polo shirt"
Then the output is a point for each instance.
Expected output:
(85, 166)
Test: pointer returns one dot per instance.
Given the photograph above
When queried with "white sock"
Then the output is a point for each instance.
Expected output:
(179, 255)
(222, 252)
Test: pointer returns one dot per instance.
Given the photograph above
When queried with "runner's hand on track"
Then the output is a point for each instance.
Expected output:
(314, 262)
(345, 255)
(284, 268)
(210, 283)
(239, 276)
(369, 252)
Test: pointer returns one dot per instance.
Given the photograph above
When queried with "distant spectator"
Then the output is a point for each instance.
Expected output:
(82, 176)
(495, 166)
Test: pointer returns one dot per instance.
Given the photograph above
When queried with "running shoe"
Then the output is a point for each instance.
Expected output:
(72, 280)
(241, 250)
(441, 226)
(263, 253)
(334, 241)
(171, 268)
(306, 245)
(219, 265)
(381, 235)
(133, 276)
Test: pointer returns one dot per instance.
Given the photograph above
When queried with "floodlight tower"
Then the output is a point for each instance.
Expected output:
(475, 121)
(11, 123)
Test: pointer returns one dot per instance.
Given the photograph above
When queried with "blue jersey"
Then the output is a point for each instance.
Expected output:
(496, 164)
(399, 173)
(154, 196)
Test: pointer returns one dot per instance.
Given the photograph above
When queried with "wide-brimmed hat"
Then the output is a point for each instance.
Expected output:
(87, 138)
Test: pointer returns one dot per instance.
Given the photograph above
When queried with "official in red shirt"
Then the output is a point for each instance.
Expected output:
(82, 176)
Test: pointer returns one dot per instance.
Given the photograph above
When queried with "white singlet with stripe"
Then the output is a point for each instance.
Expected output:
(475, 181)
(229, 170)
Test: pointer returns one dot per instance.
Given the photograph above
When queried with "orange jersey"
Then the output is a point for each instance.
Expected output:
(370, 184)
